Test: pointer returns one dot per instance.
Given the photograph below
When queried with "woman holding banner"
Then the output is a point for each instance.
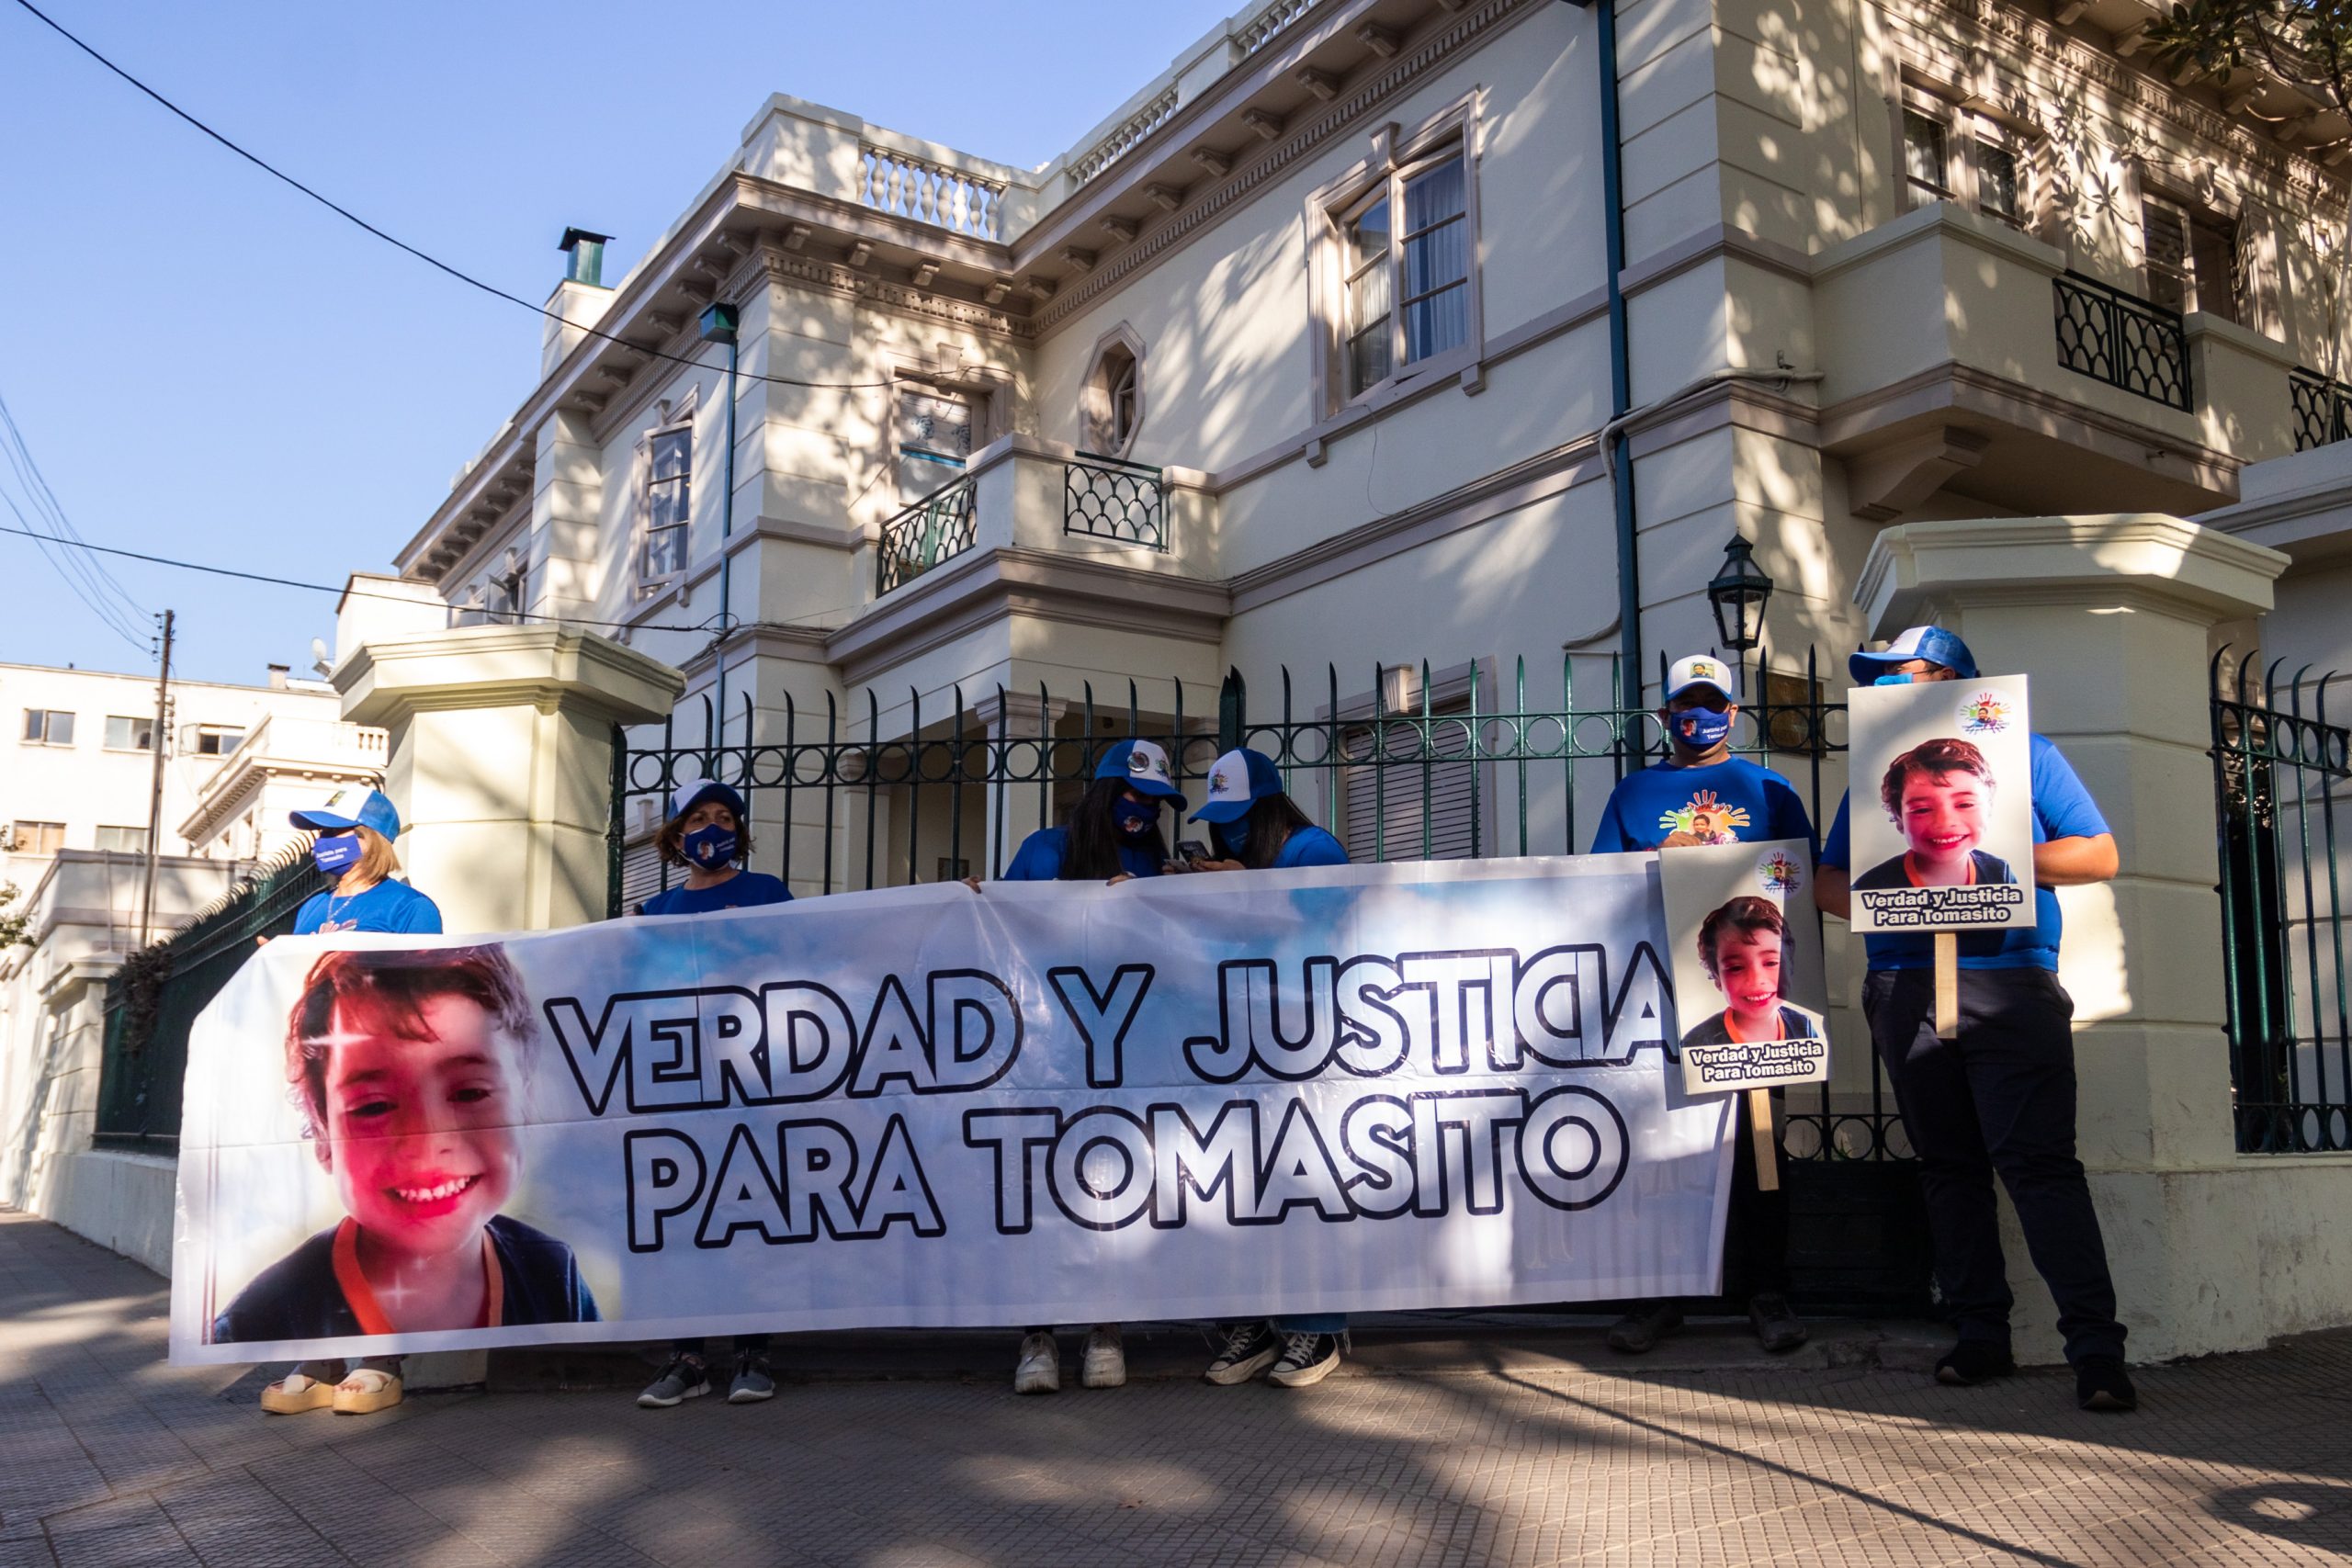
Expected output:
(708, 834)
(1113, 835)
(1257, 826)
(354, 847)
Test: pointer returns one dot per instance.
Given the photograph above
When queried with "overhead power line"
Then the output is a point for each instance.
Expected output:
(426, 258)
(85, 577)
(80, 544)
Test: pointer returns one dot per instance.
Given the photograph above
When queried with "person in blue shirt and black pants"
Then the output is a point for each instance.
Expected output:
(1113, 835)
(2000, 1096)
(1702, 795)
(1254, 826)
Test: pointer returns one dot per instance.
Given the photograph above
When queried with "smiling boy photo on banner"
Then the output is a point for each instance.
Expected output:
(1943, 807)
(1749, 980)
(1316, 1090)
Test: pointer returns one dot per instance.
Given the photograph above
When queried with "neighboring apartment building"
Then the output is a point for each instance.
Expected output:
(83, 768)
(1340, 276)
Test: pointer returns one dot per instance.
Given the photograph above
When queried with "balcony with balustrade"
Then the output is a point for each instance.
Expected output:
(280, 764)
(1968, 356)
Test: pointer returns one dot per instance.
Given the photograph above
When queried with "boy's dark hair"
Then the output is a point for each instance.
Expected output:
(1743, 916)
(1940, 756)
(385, 992)
(1273, 819)
(671, 841)
(1095, 837)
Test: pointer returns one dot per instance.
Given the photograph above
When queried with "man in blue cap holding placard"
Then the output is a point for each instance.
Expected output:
(1999, 1096)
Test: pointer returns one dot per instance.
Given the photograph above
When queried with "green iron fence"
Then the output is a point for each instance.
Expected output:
(2279, 769)
(153, 998)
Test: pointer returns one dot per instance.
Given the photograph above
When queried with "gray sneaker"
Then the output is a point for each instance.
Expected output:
(752, 1383)
(682, 1380)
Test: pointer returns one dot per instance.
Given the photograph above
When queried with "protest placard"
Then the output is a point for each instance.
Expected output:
(1942, 807)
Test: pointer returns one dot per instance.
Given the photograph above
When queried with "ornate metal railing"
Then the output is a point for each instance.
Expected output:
(940, 527)
(2279, 769)
(931, 193)
(1123, 139)
(1104, 498)
(2322, 407)
(2122, 340)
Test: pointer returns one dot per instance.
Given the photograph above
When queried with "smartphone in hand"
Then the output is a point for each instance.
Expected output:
(1192, 849)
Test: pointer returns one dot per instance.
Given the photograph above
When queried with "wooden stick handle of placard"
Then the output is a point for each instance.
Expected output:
(1947, 985)
(1759, 1116)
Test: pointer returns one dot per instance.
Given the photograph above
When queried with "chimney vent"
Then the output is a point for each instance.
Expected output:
(587, 253)
(278, 673)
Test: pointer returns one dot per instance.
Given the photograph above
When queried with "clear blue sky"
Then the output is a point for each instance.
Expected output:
(208, 366)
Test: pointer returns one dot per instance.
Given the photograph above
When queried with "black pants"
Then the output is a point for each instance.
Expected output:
(1998, 1099)
(749, 1344)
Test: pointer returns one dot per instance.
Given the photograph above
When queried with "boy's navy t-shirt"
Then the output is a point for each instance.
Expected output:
(744, 890)
(388, 907)
(297, 1297)
(1044, 853)
(1733, 801)
(2063, 809)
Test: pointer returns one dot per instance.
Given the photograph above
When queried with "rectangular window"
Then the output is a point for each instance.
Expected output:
(38, 838)
(1926, 167)
(1996, 182)
(1422, 779)
(216, 740)
(1407, 284)
(49, 727)
(2192, 258)
(126, 734)
(123, 840)
(935, 427)
(668, 498)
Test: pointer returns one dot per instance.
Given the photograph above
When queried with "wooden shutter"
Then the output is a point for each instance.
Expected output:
(1381, 817)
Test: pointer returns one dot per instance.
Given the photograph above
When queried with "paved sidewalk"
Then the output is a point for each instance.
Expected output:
(1520, 1444)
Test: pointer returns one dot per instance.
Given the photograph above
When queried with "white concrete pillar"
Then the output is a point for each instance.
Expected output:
(501, 762)
(2110, 617)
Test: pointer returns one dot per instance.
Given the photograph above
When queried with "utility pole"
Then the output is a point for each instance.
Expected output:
(155, 788)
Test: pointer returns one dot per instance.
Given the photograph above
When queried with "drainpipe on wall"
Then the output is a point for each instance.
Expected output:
(1621, 359)
(718, 324)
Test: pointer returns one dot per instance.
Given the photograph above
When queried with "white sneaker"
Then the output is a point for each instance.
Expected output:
(1040, 1368)
(1106, 1357)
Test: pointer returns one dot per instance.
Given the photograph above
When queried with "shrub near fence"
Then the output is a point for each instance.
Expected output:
(152, 1001)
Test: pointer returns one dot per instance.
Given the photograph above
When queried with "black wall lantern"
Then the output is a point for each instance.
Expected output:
(1738, 593)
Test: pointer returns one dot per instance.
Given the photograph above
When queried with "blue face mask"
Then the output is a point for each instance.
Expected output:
(1133, 817)
(1236, 835)
(709, 846)
(337, 855)
(1893, 680)
(1702, 729)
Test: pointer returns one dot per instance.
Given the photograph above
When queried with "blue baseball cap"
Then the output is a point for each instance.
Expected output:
(693, 792)
(1237, 780)
(351, 807)
(1933, 644)
(1144, 765)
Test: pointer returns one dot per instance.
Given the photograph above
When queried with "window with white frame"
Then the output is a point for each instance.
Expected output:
(1959, 153)
(1406, 251)
(123, 840)
(2193, 257)
(129, 732)
(36, 838)
(49, 727)
(216, 740)
(669, 498)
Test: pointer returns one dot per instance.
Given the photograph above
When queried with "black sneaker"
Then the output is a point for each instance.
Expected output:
(1306, 1360)
(1973, 1361)
(1638, 1331)
(1777, 1327)
(1249, 1348)
(2101, 1383)
(753, 1380)
(682, 1380)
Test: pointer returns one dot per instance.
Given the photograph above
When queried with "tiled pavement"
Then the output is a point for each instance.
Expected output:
(1522, 1445)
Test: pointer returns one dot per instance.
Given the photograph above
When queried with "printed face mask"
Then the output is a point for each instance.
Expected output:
(337, 855)
(1133, 817)
(709, 846)
(1702, 728)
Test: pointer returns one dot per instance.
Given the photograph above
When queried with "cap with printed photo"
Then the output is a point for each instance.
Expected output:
(1144, 765)
(1237, 780)
(354, 805)
(1933, 644)
(1701, 669)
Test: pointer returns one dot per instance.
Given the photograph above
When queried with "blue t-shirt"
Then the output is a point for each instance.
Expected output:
(1733, 801)
(1043, 853)
(1309, 846)
(743, 890)
(2063, 809)
(388, 907)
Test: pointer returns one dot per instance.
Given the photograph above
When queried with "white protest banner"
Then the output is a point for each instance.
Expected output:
(1746, 965)
(1359, 1089)
(1942, 806)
